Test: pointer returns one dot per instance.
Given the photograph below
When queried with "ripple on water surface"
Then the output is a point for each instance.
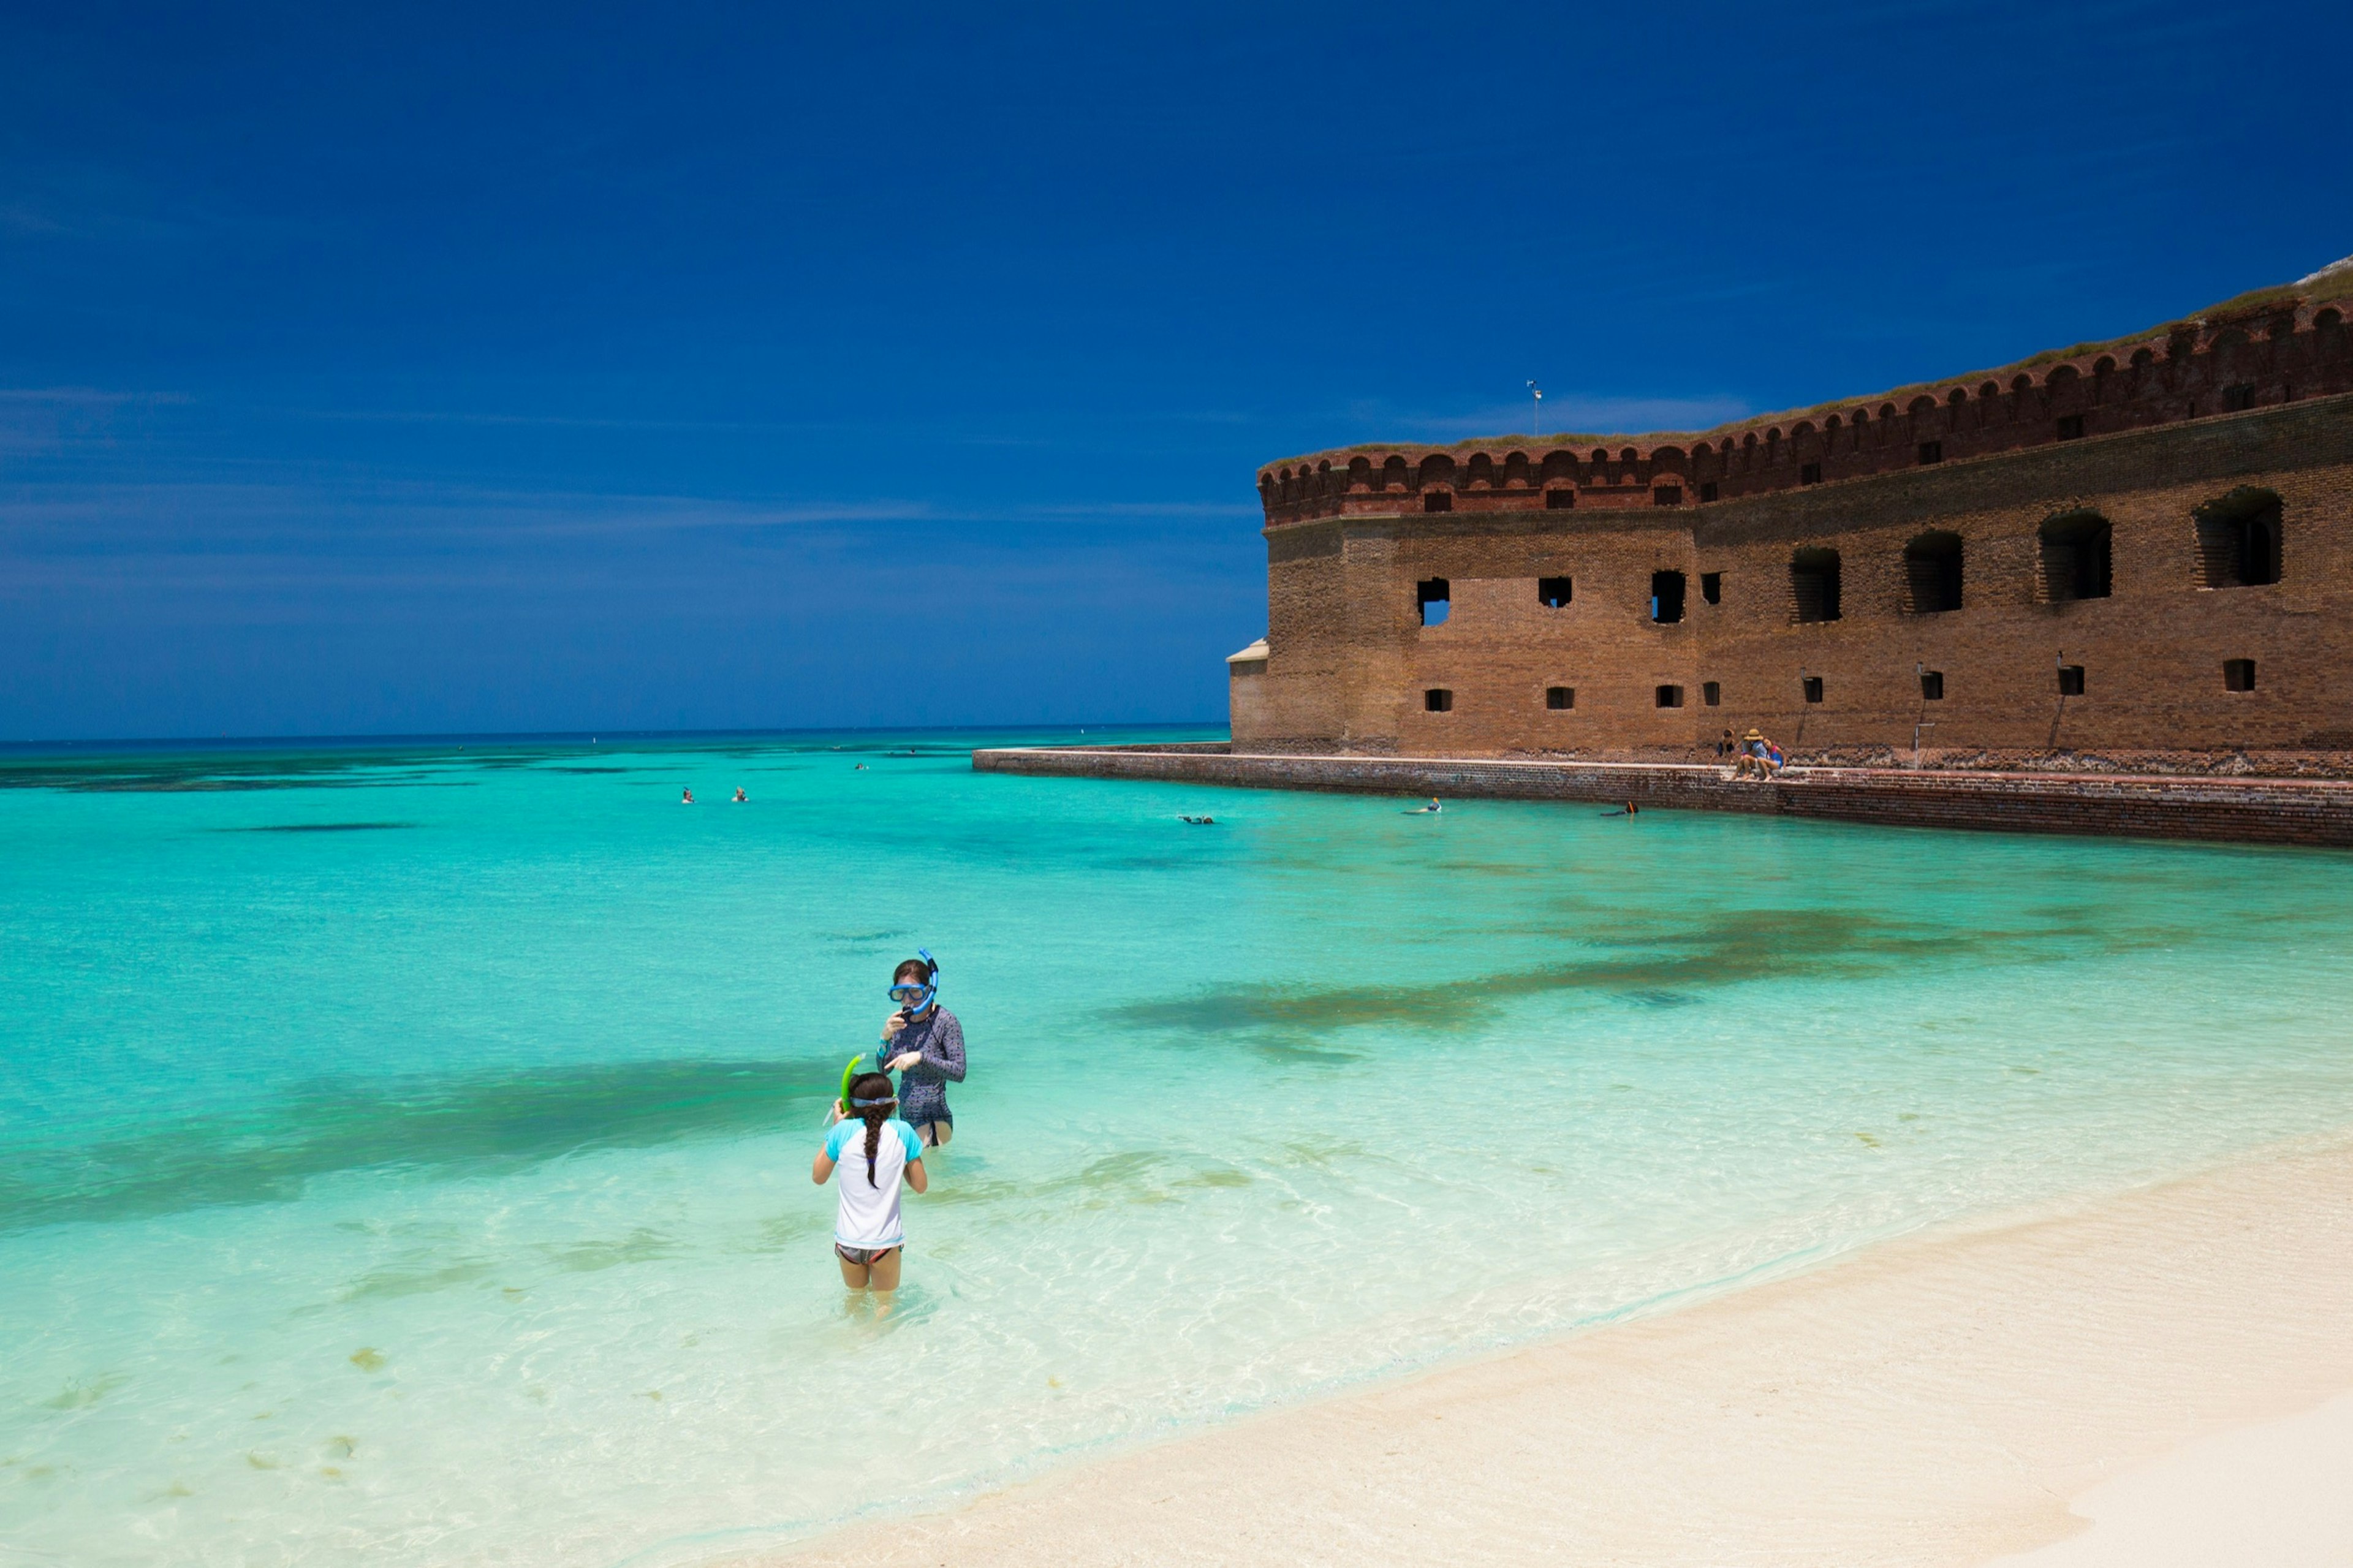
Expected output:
(427, 1182)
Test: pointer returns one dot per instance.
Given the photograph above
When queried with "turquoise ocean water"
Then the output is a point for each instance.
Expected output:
(404, 1151)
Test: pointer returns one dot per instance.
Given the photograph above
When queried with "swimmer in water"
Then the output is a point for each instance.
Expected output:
(688, 799)
(923, 1043)
(741, 799)
(869, 1241)
(1433, 809)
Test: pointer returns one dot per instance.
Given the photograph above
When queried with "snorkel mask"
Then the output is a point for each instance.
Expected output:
(915, 998)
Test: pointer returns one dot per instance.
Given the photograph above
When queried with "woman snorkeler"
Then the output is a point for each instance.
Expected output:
(923, 1044)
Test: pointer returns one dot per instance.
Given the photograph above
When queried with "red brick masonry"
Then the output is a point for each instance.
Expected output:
(2316, 812)
(2132, 551)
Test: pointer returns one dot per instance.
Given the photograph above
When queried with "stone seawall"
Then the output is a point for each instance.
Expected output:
(2310, 812)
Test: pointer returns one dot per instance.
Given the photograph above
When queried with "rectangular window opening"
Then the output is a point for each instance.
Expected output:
(1666, 597)
(1438, 501)
(1810, 474)
(1433, 598)
(1559, 500)
(1711, 587)
(2071, 427)
(1814, 580)
(1670, 697)
(1932, 451)
(1561, 697)
(1438, 699)
(1707, 489)
(1932, 686)
(1711, 693)
(1932, 574)
(2238, 398)
(1553, 593)
(2078, 558)
(2239, 540)
(2071, 681)
(1814, 685)
(1667, 495)
(2238, 675)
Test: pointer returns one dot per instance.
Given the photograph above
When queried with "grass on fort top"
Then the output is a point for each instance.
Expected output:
(2330, 285)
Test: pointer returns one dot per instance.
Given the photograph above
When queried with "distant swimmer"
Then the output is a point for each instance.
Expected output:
(1199, 821)
(688, 799)
(741, 799)
(1433, 809)
(1630, 809)
(860, 768)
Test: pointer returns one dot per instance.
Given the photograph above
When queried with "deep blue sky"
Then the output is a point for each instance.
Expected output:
(685, 366)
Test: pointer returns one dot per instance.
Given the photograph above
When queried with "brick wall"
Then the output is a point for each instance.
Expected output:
(1351, 662)
(2267, 353)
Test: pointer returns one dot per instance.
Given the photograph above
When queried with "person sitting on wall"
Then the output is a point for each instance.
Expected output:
(1774, 759)
(1748, 757)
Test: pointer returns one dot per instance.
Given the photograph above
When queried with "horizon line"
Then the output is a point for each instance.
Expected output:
(582, 737)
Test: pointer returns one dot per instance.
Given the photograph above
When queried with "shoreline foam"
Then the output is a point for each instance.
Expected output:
(1938, 1399)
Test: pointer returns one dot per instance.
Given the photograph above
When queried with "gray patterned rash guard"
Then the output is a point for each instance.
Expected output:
(923, 1087)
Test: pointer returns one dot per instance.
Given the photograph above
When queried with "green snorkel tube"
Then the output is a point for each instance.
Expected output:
(842, 1103)
(932, 993)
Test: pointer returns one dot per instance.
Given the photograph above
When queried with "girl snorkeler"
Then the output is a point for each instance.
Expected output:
(867, 1241)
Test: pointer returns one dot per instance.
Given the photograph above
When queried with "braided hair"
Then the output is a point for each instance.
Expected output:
(871, 1100)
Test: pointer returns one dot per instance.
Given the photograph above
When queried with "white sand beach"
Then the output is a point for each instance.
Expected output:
(2279, 1493)
(2160, 1377)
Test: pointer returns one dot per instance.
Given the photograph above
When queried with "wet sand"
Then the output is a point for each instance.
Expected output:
(1941, 1399)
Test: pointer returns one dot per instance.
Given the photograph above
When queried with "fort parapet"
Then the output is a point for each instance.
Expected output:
(2265, 354)
(2127, 556)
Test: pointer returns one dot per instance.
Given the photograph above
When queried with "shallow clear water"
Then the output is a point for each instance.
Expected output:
(403, 1152)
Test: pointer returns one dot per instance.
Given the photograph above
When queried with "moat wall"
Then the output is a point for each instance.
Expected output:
(2175, 674)
(2306, 812)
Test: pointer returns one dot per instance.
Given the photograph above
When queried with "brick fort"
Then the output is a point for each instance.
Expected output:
(2124, 557)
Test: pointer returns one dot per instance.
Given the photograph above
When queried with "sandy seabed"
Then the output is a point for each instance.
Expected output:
(2154, 1379)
